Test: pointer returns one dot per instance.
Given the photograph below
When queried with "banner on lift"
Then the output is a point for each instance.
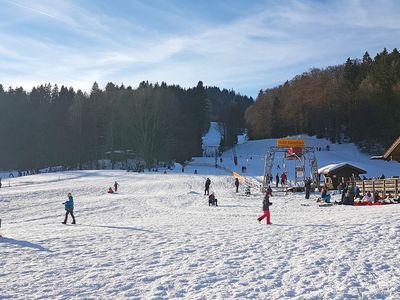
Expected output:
(282, 143)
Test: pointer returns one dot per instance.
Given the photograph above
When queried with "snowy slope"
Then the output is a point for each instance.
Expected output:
(251, 154)
(213, 136)
(158, 239)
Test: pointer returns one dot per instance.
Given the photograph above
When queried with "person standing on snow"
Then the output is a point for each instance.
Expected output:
(277, 179)
(116, 184)
(307, 186)
(237, 184)
(69, 208)
(207, 187)
(283, 178)
(266, 205)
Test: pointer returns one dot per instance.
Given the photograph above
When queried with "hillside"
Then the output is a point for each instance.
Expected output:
(157, 238)
(251, 154)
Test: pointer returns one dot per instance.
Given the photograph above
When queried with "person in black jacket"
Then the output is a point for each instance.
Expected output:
(207, 187)
(307, 186)
(269, 191)
(116, 184)
(212, 200)
(237, 184)
(266, 205)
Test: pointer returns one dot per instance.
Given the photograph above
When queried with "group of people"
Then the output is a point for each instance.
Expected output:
(69, 204)
(282, 178)
(351, 195)
(376, 197)
(213, 201)
(112, 191)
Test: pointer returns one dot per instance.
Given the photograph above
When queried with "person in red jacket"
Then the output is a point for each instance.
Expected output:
(283, 179)
(266, 205)
(110, 190)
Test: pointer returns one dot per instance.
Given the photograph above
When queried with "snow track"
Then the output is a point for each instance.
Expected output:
(157, 238)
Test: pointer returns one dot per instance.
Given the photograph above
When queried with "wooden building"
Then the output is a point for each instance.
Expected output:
(338, 173)
(392, 153)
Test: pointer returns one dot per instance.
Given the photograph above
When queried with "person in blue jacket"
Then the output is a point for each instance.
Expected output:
(325, 197)
(69, 208)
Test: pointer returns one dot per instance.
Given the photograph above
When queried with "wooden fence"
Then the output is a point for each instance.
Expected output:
(385, 186)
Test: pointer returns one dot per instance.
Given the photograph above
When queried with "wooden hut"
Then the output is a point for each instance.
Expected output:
(338, 173)
(393, 152)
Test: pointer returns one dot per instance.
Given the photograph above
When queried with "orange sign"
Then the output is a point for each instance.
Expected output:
(290, 143)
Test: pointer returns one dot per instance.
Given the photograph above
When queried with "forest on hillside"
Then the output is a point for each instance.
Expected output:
(51, 126)
(357, 101)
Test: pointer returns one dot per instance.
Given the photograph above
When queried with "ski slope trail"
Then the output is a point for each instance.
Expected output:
(157, 238)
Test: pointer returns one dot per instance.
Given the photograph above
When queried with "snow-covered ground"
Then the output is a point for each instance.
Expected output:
(213, 137)
(158, 239)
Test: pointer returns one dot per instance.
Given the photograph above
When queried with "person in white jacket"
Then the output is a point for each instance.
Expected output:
(368, 197)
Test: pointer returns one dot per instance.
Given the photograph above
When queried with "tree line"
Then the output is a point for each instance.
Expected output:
(51, 126)
(358, 101)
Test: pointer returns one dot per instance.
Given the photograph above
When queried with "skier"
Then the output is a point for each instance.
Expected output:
(237, 184)
(307, 186)
(277, 179)
(266, 205)
(116, 184)
(212, 201)
(69, 208)
(110, 190)
(207, 186)
(0, 182)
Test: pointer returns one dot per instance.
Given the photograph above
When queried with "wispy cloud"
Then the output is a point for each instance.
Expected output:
(243, 45)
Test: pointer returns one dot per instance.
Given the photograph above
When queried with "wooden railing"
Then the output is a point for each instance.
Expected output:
(385, 186)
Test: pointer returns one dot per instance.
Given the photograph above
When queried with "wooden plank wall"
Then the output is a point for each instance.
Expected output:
(385, 186)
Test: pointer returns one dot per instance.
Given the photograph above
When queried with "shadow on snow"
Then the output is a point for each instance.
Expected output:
(23, 244)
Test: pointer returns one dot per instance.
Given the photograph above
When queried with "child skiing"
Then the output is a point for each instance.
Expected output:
(266, 205)
(69, 208)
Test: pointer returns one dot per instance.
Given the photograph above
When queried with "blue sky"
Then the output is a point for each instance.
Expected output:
(241, 45)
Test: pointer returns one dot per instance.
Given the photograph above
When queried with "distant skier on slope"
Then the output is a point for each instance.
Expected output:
(307, 186)
(69, 208)
(207, 187)
(116, 184)
(237, 184)
(266, 205)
